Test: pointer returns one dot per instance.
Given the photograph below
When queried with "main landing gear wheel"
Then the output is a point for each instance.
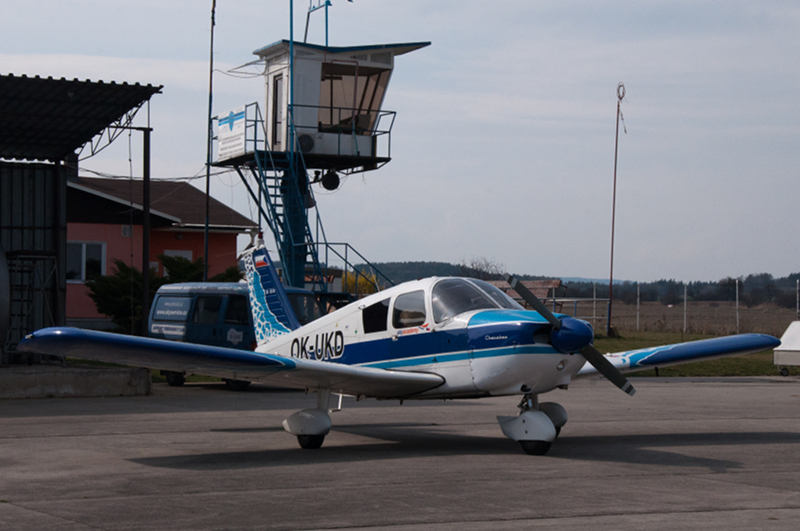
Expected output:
(236, 385)
(174, 378)
(535, 447)
(312, 442)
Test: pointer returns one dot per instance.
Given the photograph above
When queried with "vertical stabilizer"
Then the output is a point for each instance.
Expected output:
(272, 314)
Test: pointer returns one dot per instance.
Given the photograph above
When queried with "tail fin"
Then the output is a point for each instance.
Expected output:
(272, 314)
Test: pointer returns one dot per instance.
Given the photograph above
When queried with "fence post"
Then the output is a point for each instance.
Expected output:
(685, 298)
(737, 305)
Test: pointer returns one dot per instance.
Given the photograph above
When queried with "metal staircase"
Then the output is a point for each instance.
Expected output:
(288, 197)
(30, 275)
(286, 203)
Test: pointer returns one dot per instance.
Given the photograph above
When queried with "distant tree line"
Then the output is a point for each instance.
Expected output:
(753, 289)
(479, 267)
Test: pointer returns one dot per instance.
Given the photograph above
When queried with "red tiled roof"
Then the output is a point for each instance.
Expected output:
(174, 198)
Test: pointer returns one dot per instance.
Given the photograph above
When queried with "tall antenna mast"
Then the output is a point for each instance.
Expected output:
(620, 97)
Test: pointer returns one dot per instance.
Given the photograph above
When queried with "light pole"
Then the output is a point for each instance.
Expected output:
(620, 96)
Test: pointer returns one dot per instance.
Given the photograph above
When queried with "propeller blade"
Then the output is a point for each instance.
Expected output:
(591, 354)
(605, 368)
(533, 300)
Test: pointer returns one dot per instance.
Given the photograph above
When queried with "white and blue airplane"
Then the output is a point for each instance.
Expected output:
(435, 338)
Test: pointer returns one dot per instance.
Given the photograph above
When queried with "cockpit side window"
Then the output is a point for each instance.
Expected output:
(455, 296)
(375, 317)
(497, 295)
(409, 310)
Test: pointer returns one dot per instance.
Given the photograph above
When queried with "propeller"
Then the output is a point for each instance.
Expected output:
(573, 335)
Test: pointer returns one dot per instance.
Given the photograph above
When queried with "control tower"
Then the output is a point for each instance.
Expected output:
(323, 117)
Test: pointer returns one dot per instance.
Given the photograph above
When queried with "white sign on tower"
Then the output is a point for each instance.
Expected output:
(231, 135)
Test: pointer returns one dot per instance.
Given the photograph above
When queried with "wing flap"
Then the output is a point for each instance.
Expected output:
(677, 354)
(228, 363)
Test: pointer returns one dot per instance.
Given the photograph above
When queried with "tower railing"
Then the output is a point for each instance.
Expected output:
(275, 195)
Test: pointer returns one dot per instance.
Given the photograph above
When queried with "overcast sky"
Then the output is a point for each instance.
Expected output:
(503, 145)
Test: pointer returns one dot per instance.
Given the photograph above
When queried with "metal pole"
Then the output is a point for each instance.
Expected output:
(737, 305)
(291, 74)
(685, 298)
(798, 299)
(620, 95)
(594, 305)
(145, 231)
(638, 299)
(208, 140)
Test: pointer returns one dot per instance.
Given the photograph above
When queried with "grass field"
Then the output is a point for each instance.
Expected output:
(759, 364)
(703, 317)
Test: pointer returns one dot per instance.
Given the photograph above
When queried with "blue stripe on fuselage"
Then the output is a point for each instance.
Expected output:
(461, 356)
(489, 333)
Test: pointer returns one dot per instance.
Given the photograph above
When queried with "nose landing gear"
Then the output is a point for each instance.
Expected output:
(536, 426)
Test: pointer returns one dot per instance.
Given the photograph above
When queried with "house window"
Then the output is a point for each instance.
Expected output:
(170, 252)
(85, 260)
(182, 254)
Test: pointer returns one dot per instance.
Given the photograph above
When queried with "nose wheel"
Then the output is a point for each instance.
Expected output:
(310, 442)
(535, 447)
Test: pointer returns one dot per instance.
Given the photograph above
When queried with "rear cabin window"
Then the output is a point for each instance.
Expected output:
(206, 309)
(375, 316)
(172, 309)
(238, 312)
(409, 310)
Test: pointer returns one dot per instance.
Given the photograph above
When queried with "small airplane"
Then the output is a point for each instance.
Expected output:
(434, 338)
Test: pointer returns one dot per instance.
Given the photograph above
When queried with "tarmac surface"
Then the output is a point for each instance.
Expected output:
(681, 454)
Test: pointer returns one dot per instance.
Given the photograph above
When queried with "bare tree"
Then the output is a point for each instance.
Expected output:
(482, 268)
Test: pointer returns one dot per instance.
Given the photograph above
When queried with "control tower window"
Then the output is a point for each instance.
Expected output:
(351, 97)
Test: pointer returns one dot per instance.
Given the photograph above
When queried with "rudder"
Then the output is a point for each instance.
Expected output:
(272, 313)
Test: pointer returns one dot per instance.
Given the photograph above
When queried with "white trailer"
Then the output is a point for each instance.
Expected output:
(788, 353)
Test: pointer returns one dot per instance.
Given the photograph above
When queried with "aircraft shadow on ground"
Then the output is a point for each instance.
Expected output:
(411, 440)
(658, 449)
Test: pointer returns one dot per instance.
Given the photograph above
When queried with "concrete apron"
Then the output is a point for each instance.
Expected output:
(43, 381)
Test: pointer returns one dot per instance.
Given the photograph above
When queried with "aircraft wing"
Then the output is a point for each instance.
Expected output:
(228, 363)
(677, 354)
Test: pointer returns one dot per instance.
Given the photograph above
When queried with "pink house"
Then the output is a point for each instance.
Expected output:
(104, 223)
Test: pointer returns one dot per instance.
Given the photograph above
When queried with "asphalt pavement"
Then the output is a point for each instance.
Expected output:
(680, 454)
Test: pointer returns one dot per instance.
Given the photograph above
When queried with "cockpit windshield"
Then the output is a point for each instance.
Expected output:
(458, 295)
(498, 295)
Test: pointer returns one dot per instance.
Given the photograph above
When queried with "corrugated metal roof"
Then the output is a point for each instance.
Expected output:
(50, 119)
(172, 199)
